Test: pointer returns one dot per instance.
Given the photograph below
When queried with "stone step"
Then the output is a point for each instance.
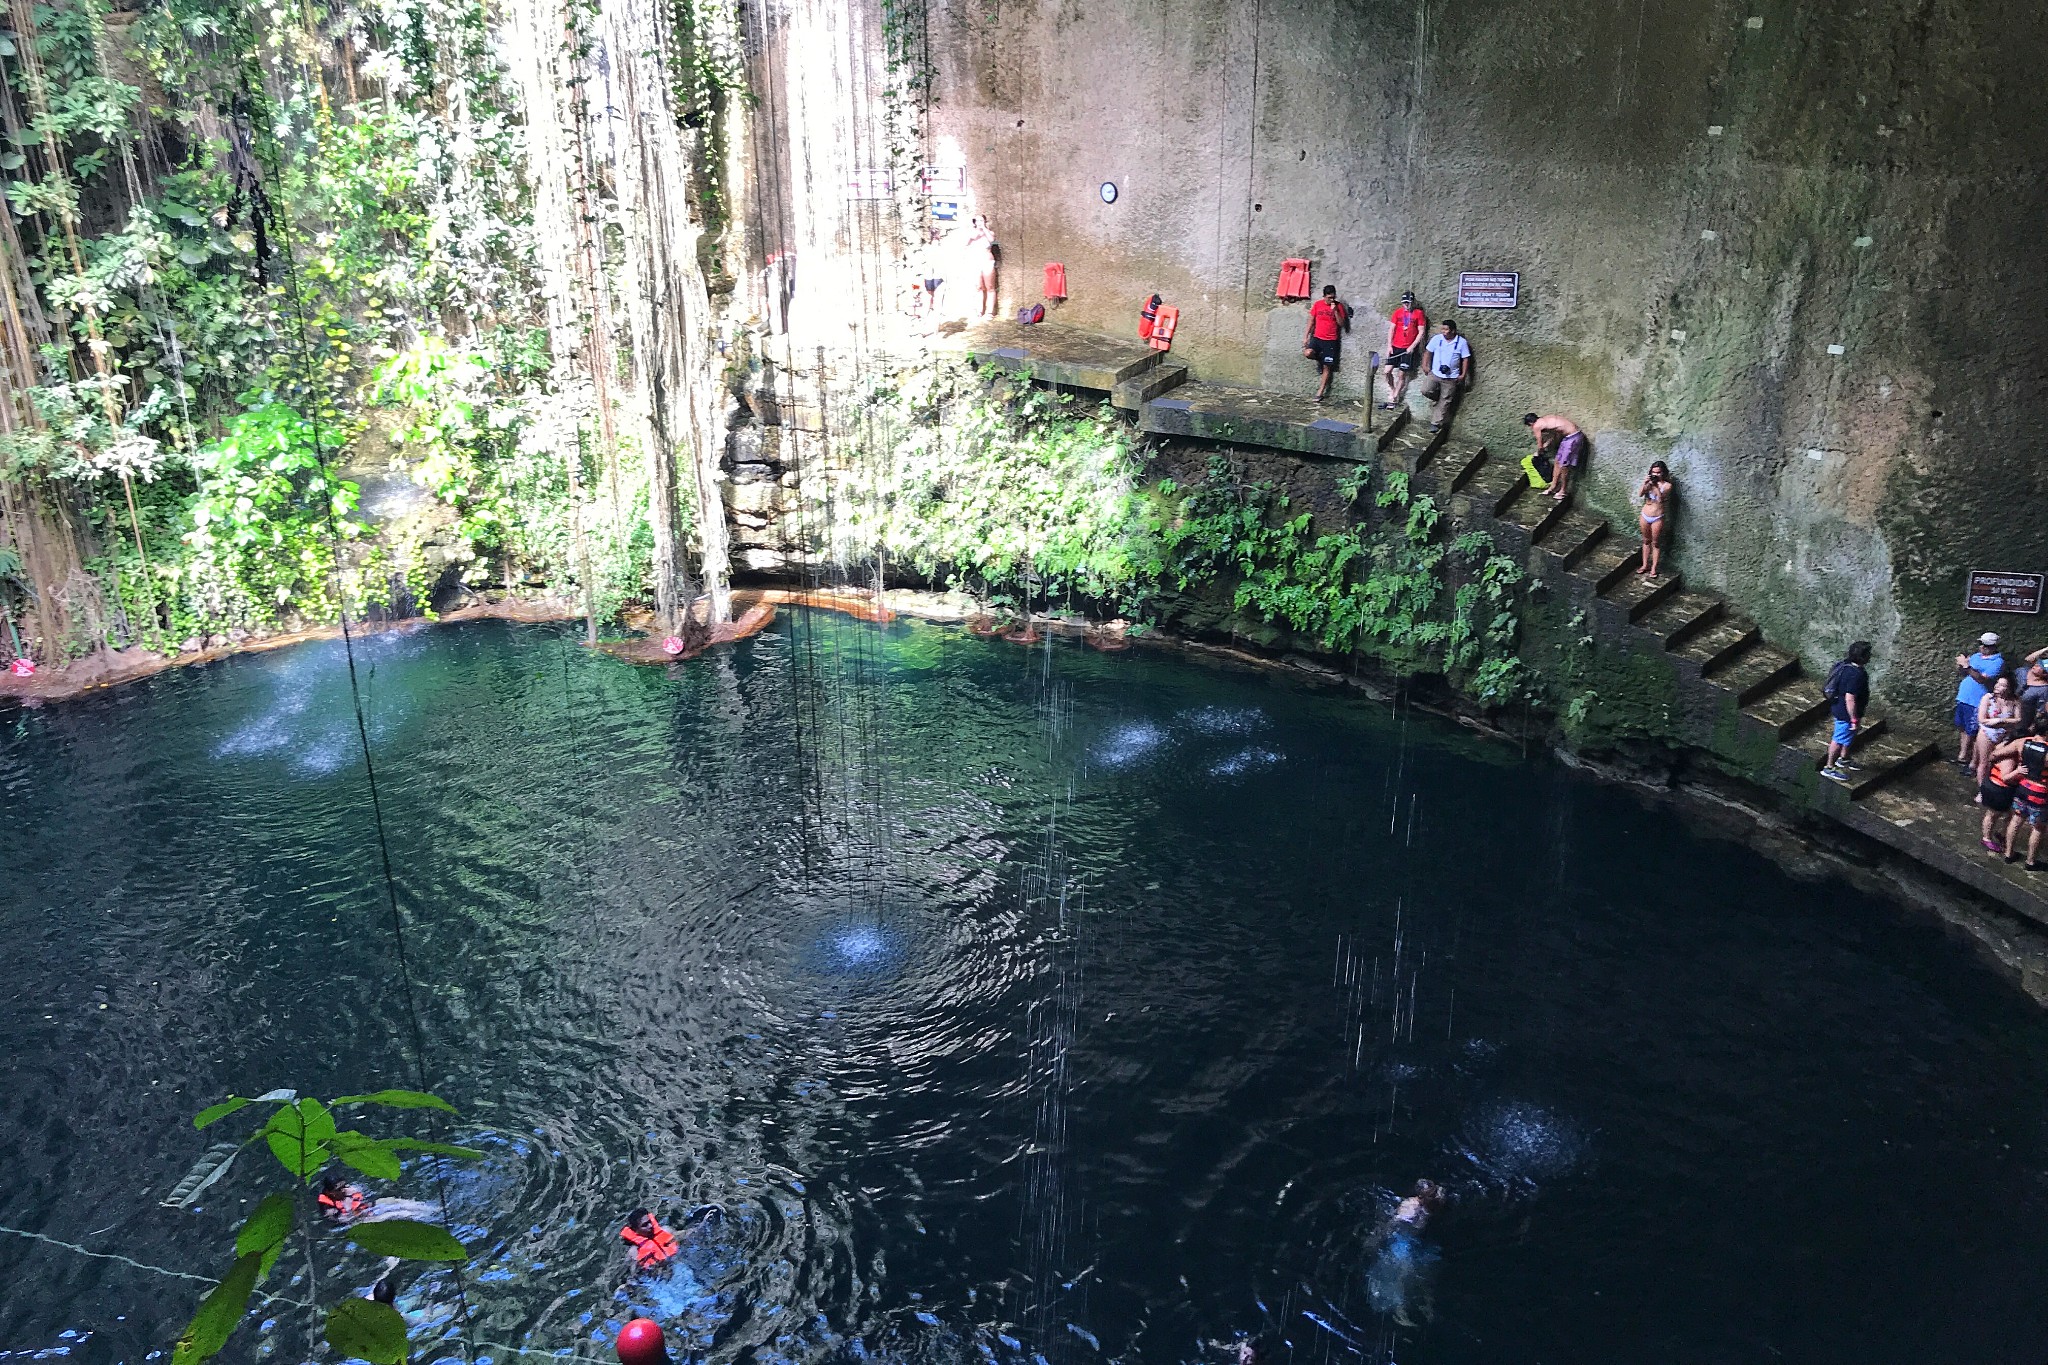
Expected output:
(1455, 462)
(1571, 535)
(1791, 707)
(1717, 643)
(1532, 510)
(1394, 424)
(1413, 444)
(1606, 563)
(1495, 485)
(1755, 672)
(1132, 394)
(1815, 742)
(1641, 595)
(1887, 758)
(1681, 615)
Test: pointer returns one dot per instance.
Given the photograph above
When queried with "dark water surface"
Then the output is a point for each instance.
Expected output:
(1015, 1003)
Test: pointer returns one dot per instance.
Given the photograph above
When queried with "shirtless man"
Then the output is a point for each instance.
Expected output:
(1414, 1211)
(1570, 441)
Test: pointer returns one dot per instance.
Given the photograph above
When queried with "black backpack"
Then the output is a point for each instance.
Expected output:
(1833, 689)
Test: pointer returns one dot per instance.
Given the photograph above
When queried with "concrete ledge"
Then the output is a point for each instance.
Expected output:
(1261, 417)
(1048, 353)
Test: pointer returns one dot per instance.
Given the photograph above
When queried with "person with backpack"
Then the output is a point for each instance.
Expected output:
(1848, 692)
(2030, 802)
(1327, 321)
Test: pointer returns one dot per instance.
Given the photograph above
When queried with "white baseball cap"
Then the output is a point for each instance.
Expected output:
(1988, 638)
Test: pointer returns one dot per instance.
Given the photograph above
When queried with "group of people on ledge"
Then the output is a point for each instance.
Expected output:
(2001, 723)
(1445, 361)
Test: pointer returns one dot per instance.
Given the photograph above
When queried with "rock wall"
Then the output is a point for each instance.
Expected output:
(1787, 247)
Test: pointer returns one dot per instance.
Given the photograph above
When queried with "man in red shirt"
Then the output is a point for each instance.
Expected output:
(1327, 320)
(1405, 331)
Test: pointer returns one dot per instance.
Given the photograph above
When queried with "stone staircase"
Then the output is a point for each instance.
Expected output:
(1702, 634)
(1725, 648)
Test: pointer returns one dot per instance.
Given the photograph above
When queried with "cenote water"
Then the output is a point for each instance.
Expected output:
(1017, 1004)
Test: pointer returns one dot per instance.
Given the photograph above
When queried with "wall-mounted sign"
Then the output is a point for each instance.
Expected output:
(945, 210)
(870, 184)
(944, 179)
(1489, 289)
(1993, 591)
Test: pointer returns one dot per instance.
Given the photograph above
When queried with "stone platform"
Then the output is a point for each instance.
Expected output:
(1048, 353)
(1262, 417)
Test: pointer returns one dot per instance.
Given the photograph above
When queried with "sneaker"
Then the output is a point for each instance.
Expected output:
(1834, 774)
(2037, 867)
(1386, 407)
(1436, 426)
(1848, 767)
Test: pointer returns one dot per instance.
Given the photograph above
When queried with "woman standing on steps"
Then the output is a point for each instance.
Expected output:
(1657, 493)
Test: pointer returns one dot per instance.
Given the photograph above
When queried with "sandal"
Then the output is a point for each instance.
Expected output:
(1993, 845)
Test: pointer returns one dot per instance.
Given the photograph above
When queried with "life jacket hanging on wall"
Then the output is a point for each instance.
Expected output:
(1055, 280)
(1146, 315)
(1294, 279)
(1162, 327)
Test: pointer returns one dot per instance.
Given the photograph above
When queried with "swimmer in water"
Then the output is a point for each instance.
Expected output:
(343, 1202)
(652, 1243)
(1414, 1211)
(1398, 1280)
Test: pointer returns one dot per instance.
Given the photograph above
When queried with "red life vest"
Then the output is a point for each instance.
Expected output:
(649, 1250)
(1055, 280)
(1146, 316)
(1162, 327)
(1294, 279)
(348, 1204)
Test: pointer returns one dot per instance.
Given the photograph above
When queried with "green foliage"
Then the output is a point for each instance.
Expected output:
(301, 1135)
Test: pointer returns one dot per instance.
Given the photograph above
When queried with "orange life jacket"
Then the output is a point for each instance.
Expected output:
(349, 1203)
(1145, 317)
(649, 1250)
(1055, 280)
(1162, 328)
(1294, 279)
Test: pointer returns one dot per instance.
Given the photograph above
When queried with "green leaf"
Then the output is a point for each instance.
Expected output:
(219, 1313)
(408, 1241)
(269, 1225)
(367, 1154)
(398, 1099)
(298, 1135)
(367, 1330)
(213, 1114)
(404, 1144)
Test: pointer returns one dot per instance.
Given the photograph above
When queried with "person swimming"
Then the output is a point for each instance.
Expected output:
(1398, 1280)
(652, 1243)
(1414, 1211)
(342, 1201)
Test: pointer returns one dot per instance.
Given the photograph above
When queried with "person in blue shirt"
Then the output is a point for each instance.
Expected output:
(1976, 674)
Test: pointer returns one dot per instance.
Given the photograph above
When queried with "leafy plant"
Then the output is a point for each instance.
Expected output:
(305, 1138)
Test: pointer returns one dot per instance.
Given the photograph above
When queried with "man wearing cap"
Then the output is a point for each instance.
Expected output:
(2033, 688)
(1976, 674)
(1405, 331)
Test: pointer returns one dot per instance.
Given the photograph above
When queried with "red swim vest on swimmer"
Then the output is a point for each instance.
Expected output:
(649, 1250)
(348, 1204)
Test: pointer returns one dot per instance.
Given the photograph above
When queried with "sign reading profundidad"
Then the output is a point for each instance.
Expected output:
(1994, 591)
(1489, 289)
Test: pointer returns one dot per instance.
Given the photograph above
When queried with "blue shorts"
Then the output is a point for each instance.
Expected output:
(1844, 732)
(1966, 718)
(2029, 812)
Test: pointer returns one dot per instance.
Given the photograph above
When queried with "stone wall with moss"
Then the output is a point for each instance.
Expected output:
(1788, 247)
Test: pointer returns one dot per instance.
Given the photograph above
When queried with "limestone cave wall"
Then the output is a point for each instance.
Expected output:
(1788, 247)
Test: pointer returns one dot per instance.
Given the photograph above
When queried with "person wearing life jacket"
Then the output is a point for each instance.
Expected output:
(652, 1243)
(1996, 793)
(342, 1202)
(2030, 801)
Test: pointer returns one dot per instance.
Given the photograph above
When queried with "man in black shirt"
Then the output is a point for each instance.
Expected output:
(1848, 693)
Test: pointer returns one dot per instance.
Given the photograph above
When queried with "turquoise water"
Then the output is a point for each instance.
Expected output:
(1013, 1002)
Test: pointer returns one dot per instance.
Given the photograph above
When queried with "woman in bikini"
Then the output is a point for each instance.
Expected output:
(1998, 717)
(1657, 495)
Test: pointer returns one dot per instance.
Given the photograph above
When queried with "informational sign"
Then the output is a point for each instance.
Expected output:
(944, 179)
(871, 184)
(1489, 289)
(945, 210)
(1991, 590)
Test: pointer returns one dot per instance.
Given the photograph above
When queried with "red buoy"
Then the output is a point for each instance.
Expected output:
(640, 1343)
